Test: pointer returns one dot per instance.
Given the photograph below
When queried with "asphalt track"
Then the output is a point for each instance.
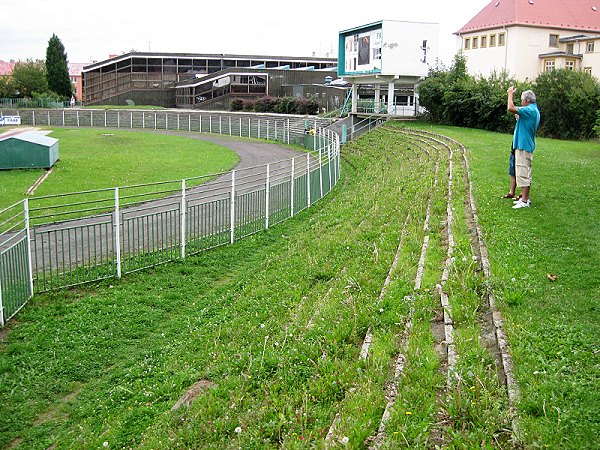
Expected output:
(54, 248)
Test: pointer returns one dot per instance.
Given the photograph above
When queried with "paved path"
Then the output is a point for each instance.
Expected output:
(74, 243)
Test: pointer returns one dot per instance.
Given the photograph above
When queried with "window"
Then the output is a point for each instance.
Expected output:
(587, 70)
(553, 41)
(467, 43)
(570, 48)
(549, 65)
(475, 42)
(492, 40)
(502, 39)
(483, 41)
(570, 64)
(590, 47)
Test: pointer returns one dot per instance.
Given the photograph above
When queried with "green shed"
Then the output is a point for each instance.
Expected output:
(28, 150)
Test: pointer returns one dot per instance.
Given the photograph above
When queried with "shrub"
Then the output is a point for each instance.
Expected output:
(569, 101)
(265, 104)
(237, 104)
(282, 105)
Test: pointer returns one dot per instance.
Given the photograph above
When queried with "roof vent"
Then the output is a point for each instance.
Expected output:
(531, 2)
(594, 8)
(496, 4)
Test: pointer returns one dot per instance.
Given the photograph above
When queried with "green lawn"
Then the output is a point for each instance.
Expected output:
(554, 327)
(272, 326)
(105, 158)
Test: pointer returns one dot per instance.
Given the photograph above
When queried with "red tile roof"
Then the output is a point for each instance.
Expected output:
(76, 68)
(580, 15)
(6, 68)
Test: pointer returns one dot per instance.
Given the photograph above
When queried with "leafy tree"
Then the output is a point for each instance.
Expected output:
(569, 101)
(29, 77)
(7, 87)
(57, 70)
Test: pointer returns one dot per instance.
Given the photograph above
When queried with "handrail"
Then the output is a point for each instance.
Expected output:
(148, 224)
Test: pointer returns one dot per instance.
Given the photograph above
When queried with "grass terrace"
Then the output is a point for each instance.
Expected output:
(266, 336)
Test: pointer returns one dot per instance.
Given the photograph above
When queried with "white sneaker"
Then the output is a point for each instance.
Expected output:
(521, 204)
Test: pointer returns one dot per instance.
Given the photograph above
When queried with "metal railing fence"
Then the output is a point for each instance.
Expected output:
(22, 103)
(57, 241)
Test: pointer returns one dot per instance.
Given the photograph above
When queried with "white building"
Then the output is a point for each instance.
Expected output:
(385, 61)
(527, 37)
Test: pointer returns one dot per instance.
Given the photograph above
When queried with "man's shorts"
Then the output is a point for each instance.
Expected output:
(523, 167)
(511, 163)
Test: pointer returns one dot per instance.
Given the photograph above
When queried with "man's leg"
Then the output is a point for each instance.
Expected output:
(523, 172)
(513, 185)
(525, 193)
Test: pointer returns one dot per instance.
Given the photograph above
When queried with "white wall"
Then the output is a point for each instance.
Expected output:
(520, 55)
(402, 52)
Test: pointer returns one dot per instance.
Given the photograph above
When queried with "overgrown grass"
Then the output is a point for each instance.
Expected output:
(94, 159)
(273, 324)
(553, 327)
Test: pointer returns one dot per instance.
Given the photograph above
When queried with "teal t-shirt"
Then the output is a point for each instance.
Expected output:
(527, 125)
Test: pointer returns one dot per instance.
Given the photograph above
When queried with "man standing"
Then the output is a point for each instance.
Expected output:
(527, 124)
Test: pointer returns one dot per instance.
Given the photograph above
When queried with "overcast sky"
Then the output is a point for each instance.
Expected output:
(91, 30)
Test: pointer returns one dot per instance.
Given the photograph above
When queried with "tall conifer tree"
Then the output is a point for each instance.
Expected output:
(57, 70)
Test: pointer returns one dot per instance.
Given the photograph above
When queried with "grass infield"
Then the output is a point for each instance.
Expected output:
(104, 158)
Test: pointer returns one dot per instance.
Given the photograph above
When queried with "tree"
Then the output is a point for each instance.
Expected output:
(568, 101)
(29, 77)
(57, 70)
(7, 87)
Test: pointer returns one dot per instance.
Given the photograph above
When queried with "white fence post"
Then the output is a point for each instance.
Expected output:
(105, 119)
(91, 118)
(1, 307)
(320, 174)
(63, 115)
(292, 187)
(183, 216)
(33, 117)
(117, 225)
(232, 210)
(131, 119)
(329, 162)
(267, 196)
(29, 258)
(308, 179)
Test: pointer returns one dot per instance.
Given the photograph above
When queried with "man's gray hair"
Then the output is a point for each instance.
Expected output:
(528, 96)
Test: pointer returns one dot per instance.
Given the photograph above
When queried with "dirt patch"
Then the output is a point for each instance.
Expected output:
(197, 389)
(56, 412)
(6, 330)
